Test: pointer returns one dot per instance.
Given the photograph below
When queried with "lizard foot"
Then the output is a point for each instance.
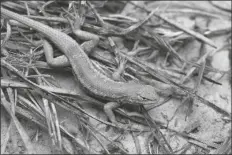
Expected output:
(120, 128)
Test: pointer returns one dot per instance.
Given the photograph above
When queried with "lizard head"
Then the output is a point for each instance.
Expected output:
(144, 94)
(148, 93)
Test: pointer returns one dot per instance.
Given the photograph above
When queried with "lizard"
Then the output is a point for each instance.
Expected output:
(92, 81)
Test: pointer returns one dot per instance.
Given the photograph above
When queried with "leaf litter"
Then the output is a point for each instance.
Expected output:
(183, 49)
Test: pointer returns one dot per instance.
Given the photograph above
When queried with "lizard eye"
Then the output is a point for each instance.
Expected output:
(143, 98)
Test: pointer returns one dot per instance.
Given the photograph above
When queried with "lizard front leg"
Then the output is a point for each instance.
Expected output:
(108, 109)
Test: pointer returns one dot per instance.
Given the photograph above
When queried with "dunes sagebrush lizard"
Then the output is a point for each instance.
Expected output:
(93, 82)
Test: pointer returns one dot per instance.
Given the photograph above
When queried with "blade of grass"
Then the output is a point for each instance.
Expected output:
(200, 75)
(8, 34)
(40, 121)
(7, 136)
(18, 125)
(188, 31)
(57, 127)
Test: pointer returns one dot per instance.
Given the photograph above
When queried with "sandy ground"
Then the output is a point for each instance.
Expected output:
(212, 128)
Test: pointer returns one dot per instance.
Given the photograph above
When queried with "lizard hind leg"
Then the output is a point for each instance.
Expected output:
(61, 61)
(91, 40)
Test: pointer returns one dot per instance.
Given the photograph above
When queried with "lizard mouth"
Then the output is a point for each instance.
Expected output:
(146, 101)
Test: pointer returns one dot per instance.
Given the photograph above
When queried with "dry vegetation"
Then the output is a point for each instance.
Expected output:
(181, 48)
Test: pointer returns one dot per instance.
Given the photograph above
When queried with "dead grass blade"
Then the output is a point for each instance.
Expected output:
(8, 34)
(202, 59)
(225, 148)
(200, 75)
(7, 136)
(22, 132)
(16, 84)
(34, 101)
(57, 127)
(29, 104)
(137, 144)
(40, 120)
(188, 31)
(112, 142)
(12, 95)
(161, 140)
(98, 140)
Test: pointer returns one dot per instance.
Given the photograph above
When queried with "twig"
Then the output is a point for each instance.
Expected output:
(165, 45)
(56, 123)
(8, 34)
(44, 5)
(95, 136)
(122, 31)
(201, 60)
(7, 137)
(19, 127)
(16, 84)
(12, 95)
(200, 75)
(41, 122)
(17, 7)
(225, 147)
(204, 146)
(220, 7)
(103, 135)
(27, 8)
(188, 31)
(29, 105)
(183, 149)
(48, 117)
(219, 31)
(191, 11)
(159, 135)
(136, 141)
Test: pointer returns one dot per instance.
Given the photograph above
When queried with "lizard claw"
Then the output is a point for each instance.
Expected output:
(121, 127)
